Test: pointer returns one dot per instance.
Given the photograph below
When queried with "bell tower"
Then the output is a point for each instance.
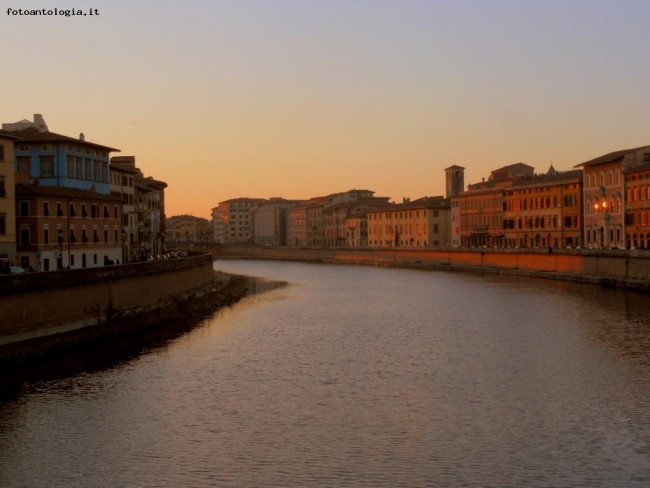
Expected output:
(455, 181)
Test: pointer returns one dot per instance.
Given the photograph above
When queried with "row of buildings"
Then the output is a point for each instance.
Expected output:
(601, 203)
(66, 203)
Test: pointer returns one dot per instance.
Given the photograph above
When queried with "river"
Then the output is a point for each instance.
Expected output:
(355, 376)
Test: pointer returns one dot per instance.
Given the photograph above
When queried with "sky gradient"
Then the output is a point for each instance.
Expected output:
(299, 98)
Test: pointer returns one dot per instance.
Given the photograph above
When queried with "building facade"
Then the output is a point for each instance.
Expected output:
(7, 199)
(544, 210)
(269, 221)
(604, 193)
(422, 223)
(188, 232)
(232, 220)
(66, 228)
(123, 175)
(58, 160)
(637, 207)
(150, 209)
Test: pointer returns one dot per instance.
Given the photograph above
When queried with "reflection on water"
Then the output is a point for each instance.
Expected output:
(98, 355)
(359, 376)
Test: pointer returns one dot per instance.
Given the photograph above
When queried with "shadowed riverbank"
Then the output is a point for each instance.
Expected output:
(120, 338)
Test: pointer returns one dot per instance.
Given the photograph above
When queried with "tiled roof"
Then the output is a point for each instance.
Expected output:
(8, 135)
(146, 183)
(610, 157)
(245, 200)
(425, 202)
(546, 179)
(34, 135)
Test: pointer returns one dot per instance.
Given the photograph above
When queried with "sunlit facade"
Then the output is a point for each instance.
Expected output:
(605, 198)
(232, 222)
(544, 210)
(422, 223)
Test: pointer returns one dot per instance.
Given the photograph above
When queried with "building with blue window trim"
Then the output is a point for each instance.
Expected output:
(57, 160)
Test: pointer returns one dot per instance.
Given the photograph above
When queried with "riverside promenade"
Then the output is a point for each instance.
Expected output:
(607, 267)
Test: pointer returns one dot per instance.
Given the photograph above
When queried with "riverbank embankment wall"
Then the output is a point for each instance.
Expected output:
(629, 268)
(36, 305)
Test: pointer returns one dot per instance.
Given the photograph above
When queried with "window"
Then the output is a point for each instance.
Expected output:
(84, 211)
(78, 168)
(25, 165)
(84, 236)
(3, 188)
(3, 224)
(47, 166)
(46, 209)
(46, 235)
(71, 211)
(23, 209)
(59, 209)
(24, 237)
(70, 167)
(72, 237)
(2, 152)
(646, 157)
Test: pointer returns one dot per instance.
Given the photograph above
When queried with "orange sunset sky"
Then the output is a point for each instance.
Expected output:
(300, 98)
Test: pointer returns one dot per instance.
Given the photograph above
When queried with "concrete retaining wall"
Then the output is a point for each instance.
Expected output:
(614, 267)
(41, 304)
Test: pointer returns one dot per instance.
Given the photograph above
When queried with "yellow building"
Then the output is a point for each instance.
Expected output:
(422, 223)
(188, 232)
(7, 198)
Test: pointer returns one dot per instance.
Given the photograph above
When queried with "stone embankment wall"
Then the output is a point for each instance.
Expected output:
(36, 305)
(610, 267)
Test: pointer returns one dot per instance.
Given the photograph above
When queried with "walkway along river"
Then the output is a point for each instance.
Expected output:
(359, 376)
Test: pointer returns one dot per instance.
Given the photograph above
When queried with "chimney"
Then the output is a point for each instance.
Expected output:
(40, 124)
(82, 137)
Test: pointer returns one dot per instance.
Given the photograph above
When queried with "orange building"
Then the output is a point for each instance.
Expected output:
(480, 209)
(544, 210)
(67, 228)
(637, 206)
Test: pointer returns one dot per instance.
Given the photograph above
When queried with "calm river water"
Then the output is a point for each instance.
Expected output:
(357, 376)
